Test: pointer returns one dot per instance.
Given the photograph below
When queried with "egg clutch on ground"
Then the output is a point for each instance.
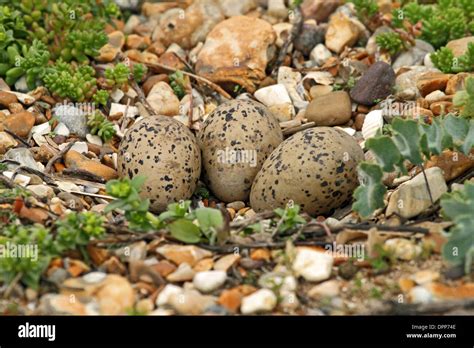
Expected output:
(244, 158)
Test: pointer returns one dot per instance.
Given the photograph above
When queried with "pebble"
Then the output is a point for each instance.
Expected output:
(291, 80)
(191, 302)
(6, 142)
(319, 91)
(209, 281)
(163, 298)
(261, 301)
(7, 98)
(415, 55)
(163, 100)
(435, 96)
(20, 123)
(23, 156)
(282, 31)
(277, 8)
(420, 295)
(74, 159)
(187, 28)
(132, 111)
(374, 85)
(320, 54)
(226, 262)
(412, 197)
(403, 249)
(237, 8)
(41, 129)
(183, 253)
(42, 191)
(432, 81)
(459, 46)
(72, 202)
(426, 276)
(73, 118)
(53, 304)
(318, 9)
(457, 83)
(329, 288)
(331, 109)
(312, 265)
(94, 139)
(183, 273)
(342, 32)
(61, 129)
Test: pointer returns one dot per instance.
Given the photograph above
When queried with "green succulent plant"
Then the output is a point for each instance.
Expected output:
(118, 75)
(100, 126)
(101, 97)
(390, 42)
(445, 61)
(76, 83)
(440, 22)
(465, 99)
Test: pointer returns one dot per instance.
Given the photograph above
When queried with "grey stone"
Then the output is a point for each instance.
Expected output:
(73, 118)
(23, 156)
(414, 56)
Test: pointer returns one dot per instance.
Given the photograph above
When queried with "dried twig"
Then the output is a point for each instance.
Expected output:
(209, 83)
(57, 157)
(297, 26)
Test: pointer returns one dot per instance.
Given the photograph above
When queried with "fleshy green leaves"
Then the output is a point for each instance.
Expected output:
(409, 141)
(184, 224)
(458, 207)
(385, 151)
(369, 195)
(185, 231)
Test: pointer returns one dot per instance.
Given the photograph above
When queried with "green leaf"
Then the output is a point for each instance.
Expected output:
(185, 231)
(468, 143)
(369, 195)
(117, 204)
(407, 139)
(436, 137)
(460, 242)
(385, 152)
(209, 218)
(457, 128)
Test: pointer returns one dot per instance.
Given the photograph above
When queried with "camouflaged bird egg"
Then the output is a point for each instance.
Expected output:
(235, 140)
(166, 152)
(315, 168)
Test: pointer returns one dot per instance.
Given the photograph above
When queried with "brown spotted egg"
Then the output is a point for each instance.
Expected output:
(166, 153)
(315, 168)
(235, 140)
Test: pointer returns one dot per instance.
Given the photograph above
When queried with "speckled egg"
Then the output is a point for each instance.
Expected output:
(235, 140)
(166, 152)
(315, 168)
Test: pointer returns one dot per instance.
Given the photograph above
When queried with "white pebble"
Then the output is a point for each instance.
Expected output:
(263, 300)
(312, 265)
(209, 281)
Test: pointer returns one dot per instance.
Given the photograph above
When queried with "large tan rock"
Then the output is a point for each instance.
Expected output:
(187, 28)
(236, 52)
